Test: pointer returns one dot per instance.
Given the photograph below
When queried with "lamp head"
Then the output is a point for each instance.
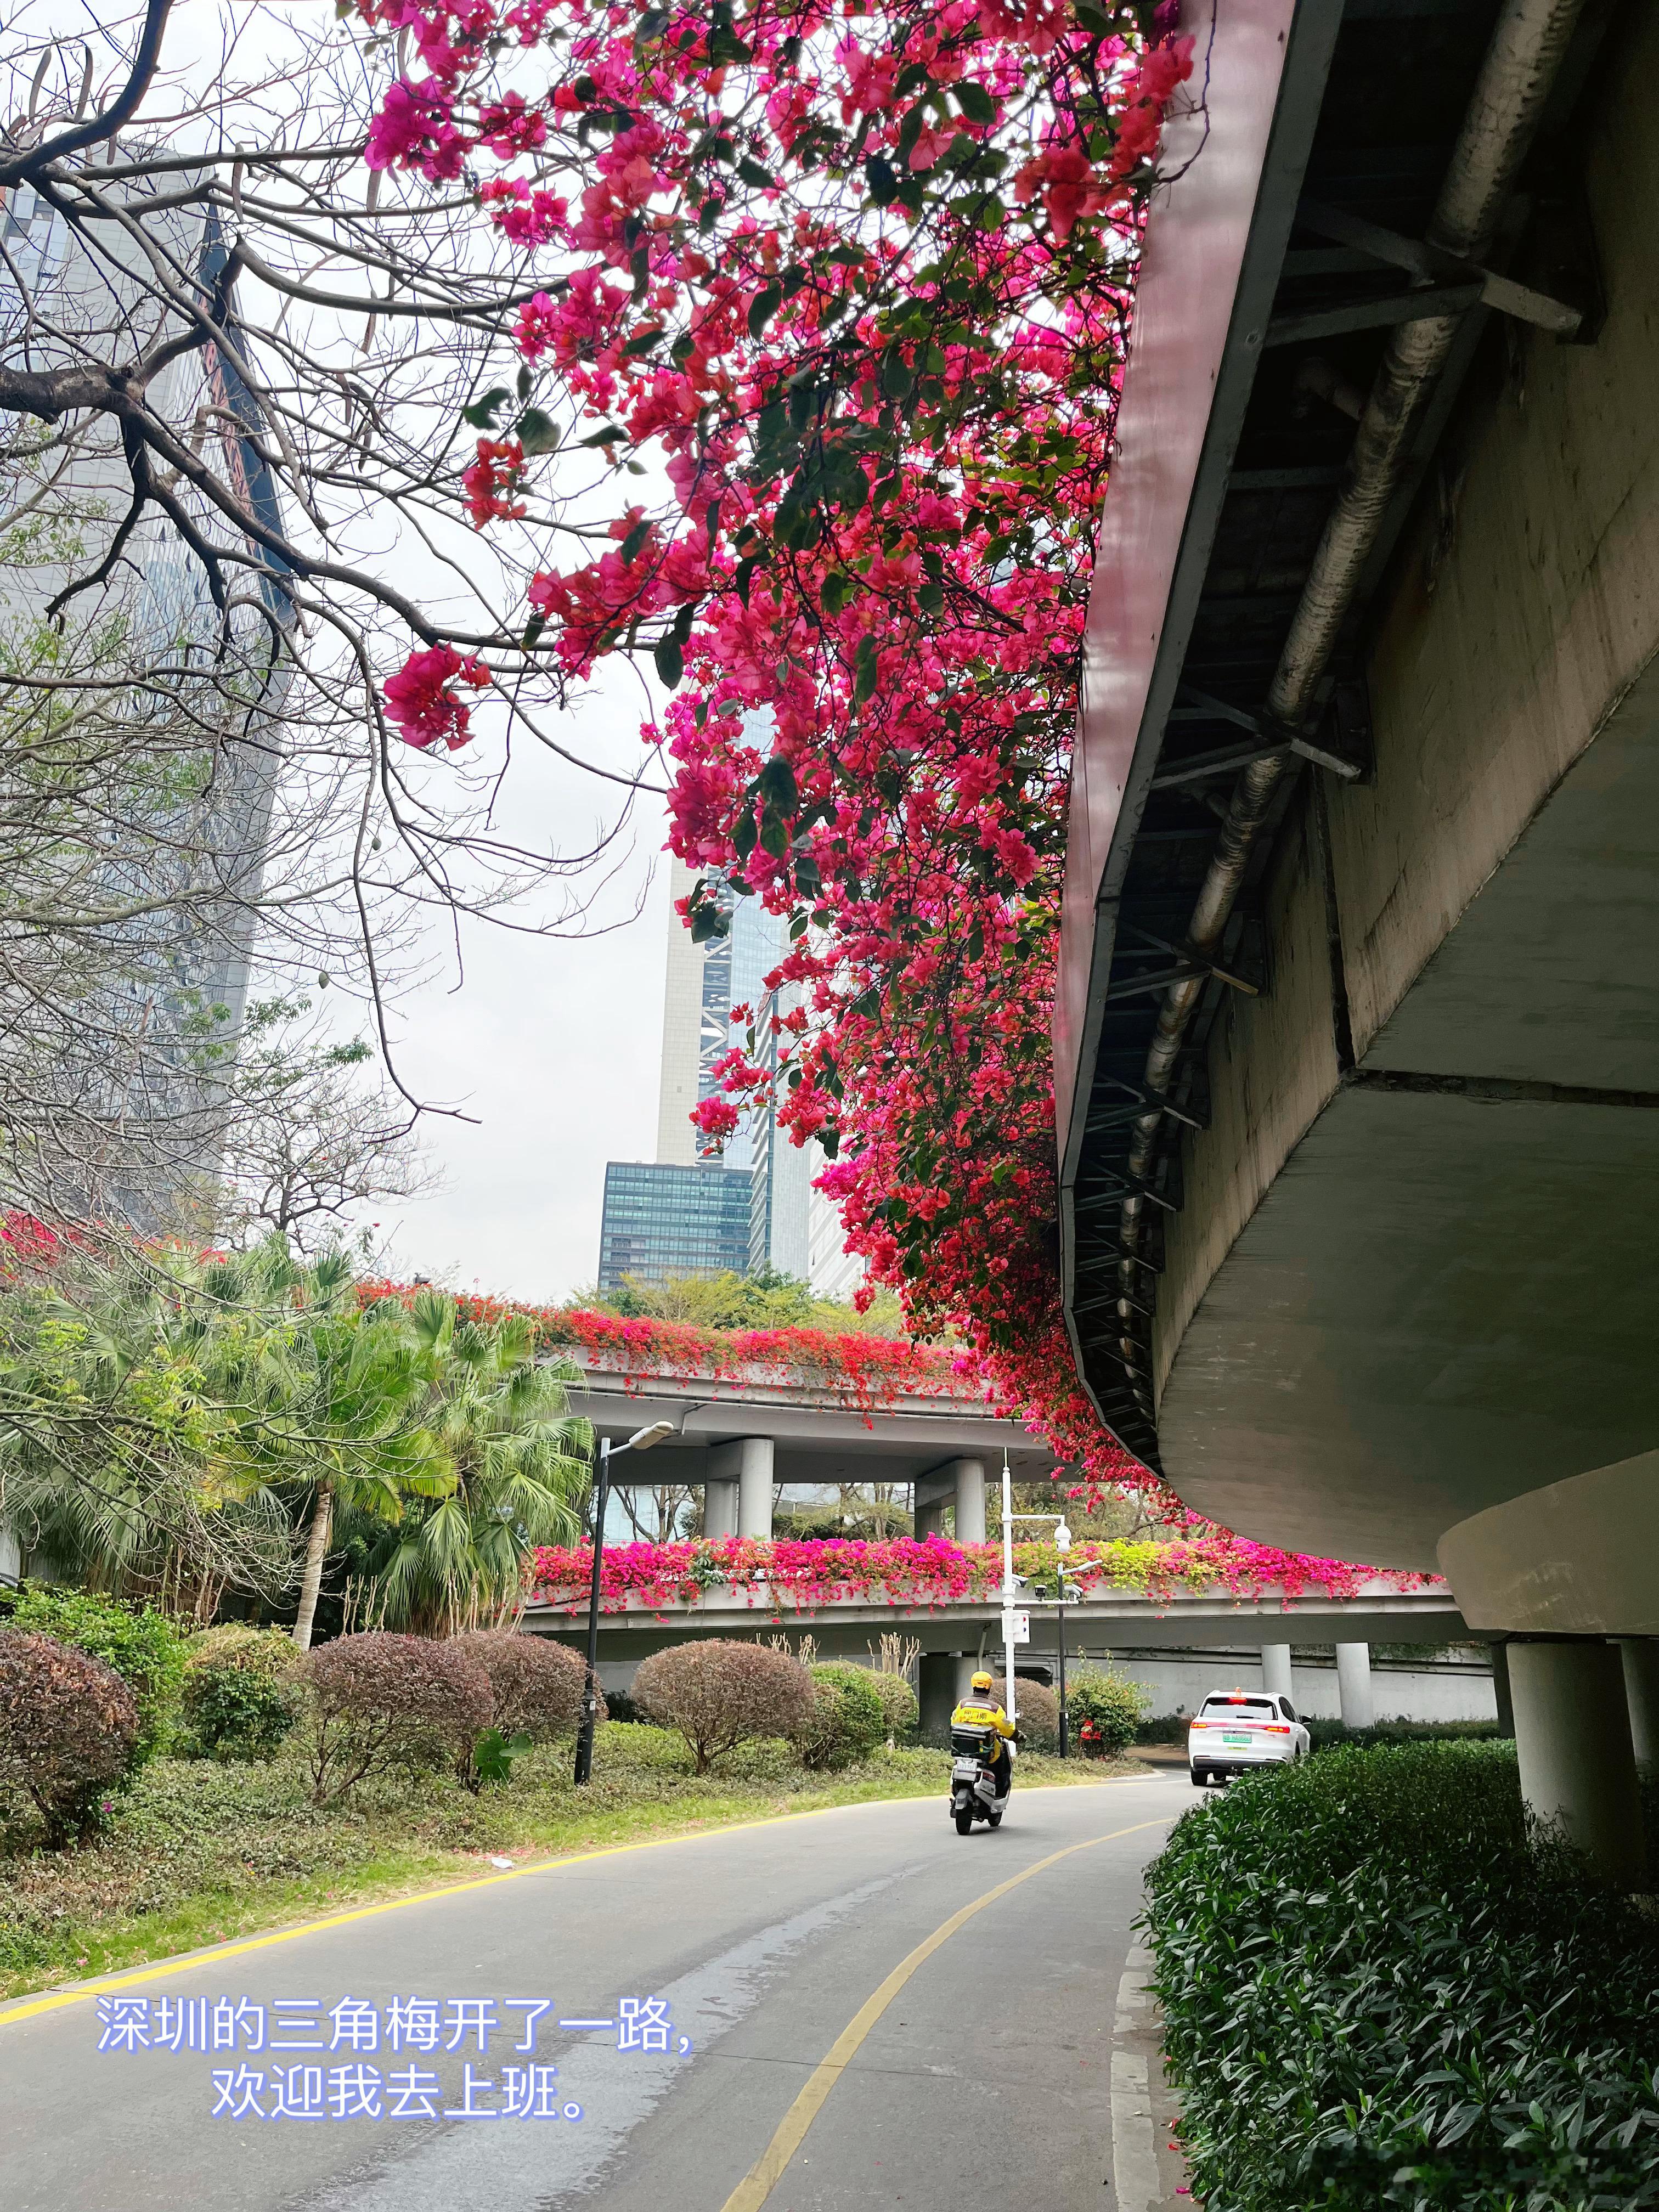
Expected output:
(643, 1439)
(1062, 1538)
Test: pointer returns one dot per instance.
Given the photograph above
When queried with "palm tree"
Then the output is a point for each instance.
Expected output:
(329, 1393)
(521, 1460)
(121, 1465)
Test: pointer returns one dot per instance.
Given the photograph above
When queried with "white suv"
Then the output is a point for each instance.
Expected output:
(1236, 1729)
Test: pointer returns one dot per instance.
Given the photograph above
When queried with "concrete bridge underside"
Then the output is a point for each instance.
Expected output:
(1369, 752)
(736, 1442)
(1403, 1242)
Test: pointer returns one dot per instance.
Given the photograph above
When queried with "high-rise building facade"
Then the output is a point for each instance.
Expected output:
(759, 1175)
(131, 1093)
(663, 1219)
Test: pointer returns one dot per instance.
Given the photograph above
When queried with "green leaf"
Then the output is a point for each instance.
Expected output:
(762, 308)
(882, 179)
(744, 577)
(975, 102)
(897, 380)
(482, 414)
(635, 540)
(610, 435)
(836, 589)
(538, 432)
(777, 787)
(752, 173)
(669, 660)
(775, 835)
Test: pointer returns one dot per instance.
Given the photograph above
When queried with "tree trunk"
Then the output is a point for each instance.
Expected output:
(322, 1520)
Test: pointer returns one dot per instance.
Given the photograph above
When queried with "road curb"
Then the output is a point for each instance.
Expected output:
(1147, 2174)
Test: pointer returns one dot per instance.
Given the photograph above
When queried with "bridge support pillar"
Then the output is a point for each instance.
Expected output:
(1276, 1669)
(1640, 1655)
(959, 1484)
(720, 1508)
(1572, 1740)
(1500, 1689)
(1353, 1685)
(937, 1694)
(743, 1469)
(969, 1475)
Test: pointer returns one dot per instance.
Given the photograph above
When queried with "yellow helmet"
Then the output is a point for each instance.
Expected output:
(981, 1680)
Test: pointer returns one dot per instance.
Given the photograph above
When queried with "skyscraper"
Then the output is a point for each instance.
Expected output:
(128, 1078)
(746, 1210)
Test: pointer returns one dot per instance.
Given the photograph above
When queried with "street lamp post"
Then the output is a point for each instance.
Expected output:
(1010, 1582)
(641, 1440)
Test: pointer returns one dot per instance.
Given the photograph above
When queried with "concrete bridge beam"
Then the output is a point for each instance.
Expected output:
(1572, 1740)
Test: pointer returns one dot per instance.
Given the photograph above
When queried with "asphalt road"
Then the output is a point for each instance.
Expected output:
(983, 2082)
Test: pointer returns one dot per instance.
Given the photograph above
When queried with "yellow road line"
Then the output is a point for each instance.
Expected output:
(763, 2176)
(187, 1961)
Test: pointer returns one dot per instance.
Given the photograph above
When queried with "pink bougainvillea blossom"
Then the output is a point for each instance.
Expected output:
(837, 303)
(420, 697)
(780, 1575)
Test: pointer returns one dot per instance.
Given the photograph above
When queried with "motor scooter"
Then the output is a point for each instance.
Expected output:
(973, 1783)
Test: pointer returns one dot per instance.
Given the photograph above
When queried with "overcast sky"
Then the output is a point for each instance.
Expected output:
(553, 1044)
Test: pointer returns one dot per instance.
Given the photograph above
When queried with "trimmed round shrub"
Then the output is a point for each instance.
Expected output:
(720, 1694)
(537, 1685)
(898, 1703)
(242, 1693)
(1037, 1712)
(69, 1732)
(378, 1700)
(142, 1645)
(847, 1720)
(1115, 1703)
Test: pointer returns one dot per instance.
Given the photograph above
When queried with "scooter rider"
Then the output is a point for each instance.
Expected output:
(979, 1710)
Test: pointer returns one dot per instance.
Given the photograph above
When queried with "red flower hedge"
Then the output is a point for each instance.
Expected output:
(865, 1372)
(802, 1575)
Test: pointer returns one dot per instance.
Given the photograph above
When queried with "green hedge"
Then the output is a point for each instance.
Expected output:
(849, 1719)
(1379, 1992)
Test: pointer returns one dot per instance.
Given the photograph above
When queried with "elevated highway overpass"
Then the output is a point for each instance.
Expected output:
(740, 1438)
(1356, 1049)
(956, 1637)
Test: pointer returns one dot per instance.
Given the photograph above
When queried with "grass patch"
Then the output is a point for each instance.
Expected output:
(200, 1853)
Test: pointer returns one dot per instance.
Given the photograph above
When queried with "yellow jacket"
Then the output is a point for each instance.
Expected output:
(970, 1713)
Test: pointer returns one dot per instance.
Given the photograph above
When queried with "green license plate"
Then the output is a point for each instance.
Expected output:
(1244, 1740)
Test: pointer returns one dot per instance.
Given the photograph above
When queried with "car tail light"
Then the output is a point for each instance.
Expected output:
(1275, 1728)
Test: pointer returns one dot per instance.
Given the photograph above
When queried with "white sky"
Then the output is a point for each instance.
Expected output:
(554, 1044)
